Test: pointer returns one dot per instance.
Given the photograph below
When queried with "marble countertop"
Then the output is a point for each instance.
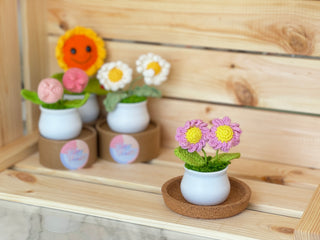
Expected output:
(25, 222)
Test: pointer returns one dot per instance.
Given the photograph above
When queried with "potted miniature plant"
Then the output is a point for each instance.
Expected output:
(205, 181)
(59, 118)
(127, 109)
(81, 48)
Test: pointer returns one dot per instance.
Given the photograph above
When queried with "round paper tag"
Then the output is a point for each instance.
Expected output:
(124, 148)
(74, 154)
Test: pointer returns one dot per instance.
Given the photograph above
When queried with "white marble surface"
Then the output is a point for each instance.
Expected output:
(25, 222)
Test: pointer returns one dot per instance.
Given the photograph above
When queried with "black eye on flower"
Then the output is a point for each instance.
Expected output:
(88, 49)
(73, 51)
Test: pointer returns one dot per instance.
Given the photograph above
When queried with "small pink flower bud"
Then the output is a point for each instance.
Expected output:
(75, 80)
(50, 90)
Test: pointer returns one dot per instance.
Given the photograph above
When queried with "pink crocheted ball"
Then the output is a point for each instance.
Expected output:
(75, 80)
(50, 90)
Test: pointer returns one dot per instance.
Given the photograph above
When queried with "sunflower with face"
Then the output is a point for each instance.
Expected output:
(81, 48)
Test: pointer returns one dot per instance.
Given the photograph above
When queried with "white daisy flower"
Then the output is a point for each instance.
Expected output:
(114, 75)
(154, 68)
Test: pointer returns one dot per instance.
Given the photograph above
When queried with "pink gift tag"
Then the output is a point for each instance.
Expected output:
(74, 154)
(124, 149)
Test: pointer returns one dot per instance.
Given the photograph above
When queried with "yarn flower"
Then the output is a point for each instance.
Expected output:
(114, 75)
(193, 135)
(81, 48)
(224, 134)
(75, 80)
(154, 68)
(50, 95)
(50, 90)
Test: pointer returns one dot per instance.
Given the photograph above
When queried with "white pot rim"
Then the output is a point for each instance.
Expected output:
(65, 110)
(133, 104)
(78, 95)
(217, 173)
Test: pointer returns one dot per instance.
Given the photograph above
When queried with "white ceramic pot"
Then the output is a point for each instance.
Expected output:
(89, 112)
(205, 188)
(129, 117)
(60, 124)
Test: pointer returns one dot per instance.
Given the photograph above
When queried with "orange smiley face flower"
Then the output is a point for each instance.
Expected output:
(81, 48)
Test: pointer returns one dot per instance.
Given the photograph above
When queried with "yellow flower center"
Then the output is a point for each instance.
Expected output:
(193, 135)
(115, 75)
(155, 67)
(224, 133)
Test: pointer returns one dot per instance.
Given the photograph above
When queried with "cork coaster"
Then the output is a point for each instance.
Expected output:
(237, 201)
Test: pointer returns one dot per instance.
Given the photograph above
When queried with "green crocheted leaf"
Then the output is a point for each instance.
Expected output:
(133, 99)
(58, 76)
(146, 91)
(112, 99)
(77, 102)
(193, 158)
(226, 157)
(94, 87)
(31, 96)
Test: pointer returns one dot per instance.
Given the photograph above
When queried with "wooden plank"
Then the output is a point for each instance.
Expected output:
(35, 59)
(11, 126)
(309, 225)
(269, 198)
(270, 172)
(136, 207)
(243, 79)
(18, 150)
(270, 136)
(290, 26)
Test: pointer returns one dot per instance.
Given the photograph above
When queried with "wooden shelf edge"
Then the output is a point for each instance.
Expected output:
(18, 150)
(132, 206)
(309, 225)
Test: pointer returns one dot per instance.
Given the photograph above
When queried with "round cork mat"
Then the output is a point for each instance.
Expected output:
(237, 201)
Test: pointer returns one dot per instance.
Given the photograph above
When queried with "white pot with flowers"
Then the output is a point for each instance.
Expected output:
(82, 48)
(127, 109)
(205, 181)
(59, 118)
(89, 112)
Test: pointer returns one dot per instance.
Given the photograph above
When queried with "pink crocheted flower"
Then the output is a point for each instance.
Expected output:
(193, 135)
(50, 90)
(224, 134)
(75, 80)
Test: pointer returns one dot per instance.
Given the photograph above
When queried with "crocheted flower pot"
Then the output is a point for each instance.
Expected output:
(129, 117)
(128, 148)
(72, 154)
(89, 112)
(60, 124)
(205, 188)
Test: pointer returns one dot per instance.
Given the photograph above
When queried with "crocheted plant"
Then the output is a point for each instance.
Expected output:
(114, 76)
(50, 91)
(81, 48)
(194, 136)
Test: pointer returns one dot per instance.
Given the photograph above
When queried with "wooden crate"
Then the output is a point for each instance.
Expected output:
(256, 61)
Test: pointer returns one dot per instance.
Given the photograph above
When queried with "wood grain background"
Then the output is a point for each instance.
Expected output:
(10, 74)
(226, 57)
(286, 26)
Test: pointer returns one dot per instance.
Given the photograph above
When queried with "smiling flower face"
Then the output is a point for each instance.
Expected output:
(80, 48)
(114, 75)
